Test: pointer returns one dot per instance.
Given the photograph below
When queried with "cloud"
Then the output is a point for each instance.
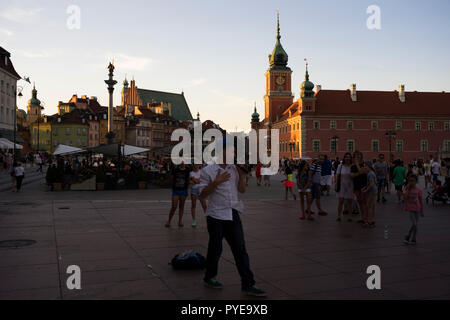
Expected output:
(39, 54)
(231, 99)
(195, 83)
(20, 15)
(6, 32)
(126, 62)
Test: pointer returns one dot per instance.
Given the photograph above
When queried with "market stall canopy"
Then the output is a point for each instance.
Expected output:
(128, 150)
(113, 149)
(6, 144)
(62, 150)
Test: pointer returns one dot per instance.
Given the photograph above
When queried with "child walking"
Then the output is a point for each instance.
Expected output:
(288, 183)
(414, 206)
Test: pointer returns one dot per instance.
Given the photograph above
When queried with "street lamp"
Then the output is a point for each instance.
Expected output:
(390, 134)
(18, 92)
(39, 129)
(335, 138)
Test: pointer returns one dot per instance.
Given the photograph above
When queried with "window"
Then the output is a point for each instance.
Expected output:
(67, 131)
(424, 145)
(333, 145)
(398, 125)
(375, 146)
(399, 146)
(350, 125)
(298, 125)
(316, 125)
(333, 124)
(374, 125)
(446, 146)
(350, 145)
(55, 143)
(418, 126)
(446, 126)
(430, 126)
(84, 131)
(316, 145)
(78, 131)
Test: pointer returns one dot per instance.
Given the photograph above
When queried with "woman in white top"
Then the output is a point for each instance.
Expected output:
(19, 173)
(195, 192)
(344, 185)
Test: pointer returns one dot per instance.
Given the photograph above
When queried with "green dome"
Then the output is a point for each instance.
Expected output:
(307, 87)
(255, 116)
(23, 112)
(34, 101)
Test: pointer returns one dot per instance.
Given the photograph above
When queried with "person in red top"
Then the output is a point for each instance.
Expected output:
(413, 205)
(258, 173)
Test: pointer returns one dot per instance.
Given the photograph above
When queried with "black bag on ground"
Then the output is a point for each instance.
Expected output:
(188, 261)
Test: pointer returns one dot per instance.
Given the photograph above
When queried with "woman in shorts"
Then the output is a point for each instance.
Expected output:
(180, 182)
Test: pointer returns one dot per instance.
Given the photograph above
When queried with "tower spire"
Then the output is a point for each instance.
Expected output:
(278, 58)
(278, 25)
(306, 73)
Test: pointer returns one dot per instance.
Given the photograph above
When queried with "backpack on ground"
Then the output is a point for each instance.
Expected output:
(188, 261)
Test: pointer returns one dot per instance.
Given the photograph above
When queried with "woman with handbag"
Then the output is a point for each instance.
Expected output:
(344, 185)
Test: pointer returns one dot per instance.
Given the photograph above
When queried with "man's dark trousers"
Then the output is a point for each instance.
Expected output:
(233, 233)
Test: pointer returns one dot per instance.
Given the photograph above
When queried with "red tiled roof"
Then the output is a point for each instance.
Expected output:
(376, 103)
(338, 102)
(9, 67)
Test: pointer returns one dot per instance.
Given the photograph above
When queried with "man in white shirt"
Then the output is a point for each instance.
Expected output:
(220, 183)
(435, 168)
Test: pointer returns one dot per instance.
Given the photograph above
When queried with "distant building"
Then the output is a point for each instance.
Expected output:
(8, 89)
(34, 108)
(172, 104)
(406, 125)
(147, 129)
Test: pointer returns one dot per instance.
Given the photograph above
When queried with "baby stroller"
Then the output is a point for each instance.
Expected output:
(440, 193)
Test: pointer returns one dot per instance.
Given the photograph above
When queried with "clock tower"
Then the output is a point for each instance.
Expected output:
(278, 81)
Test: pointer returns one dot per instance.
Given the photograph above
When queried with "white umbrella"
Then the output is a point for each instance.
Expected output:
(62, 149)
(6, 144)
(128, 150)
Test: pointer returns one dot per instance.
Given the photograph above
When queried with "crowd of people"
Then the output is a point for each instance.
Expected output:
(359, 185)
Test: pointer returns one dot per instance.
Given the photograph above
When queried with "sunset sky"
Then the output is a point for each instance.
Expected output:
(217, 51)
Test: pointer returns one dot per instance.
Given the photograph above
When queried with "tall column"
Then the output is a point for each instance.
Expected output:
(110, 82)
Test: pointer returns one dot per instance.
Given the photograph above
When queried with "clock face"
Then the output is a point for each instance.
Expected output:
(281, 80)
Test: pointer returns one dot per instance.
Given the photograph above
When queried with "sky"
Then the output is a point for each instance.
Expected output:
(217, 51)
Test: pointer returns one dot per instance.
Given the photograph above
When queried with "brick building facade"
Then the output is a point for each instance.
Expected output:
(406, 125)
